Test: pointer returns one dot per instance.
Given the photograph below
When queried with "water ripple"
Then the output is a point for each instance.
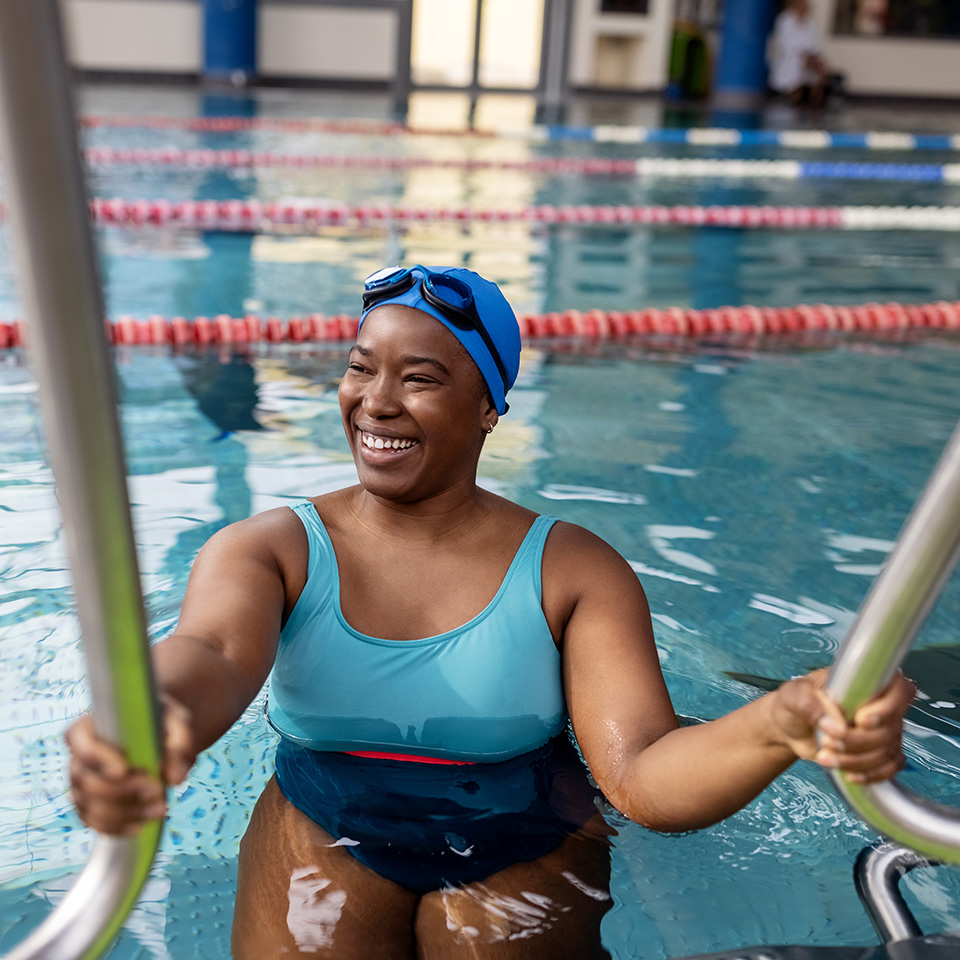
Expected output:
(566, 491)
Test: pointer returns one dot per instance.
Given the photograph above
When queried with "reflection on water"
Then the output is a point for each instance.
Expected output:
(755, 496)
(169, 271)
(749, 492)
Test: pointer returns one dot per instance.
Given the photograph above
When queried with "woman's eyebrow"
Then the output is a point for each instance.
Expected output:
(414, 361)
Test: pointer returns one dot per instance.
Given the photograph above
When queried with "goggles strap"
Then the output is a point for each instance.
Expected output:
(465, 317)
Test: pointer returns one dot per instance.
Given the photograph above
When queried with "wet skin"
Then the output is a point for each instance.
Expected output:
(299, 894)
(421, 550)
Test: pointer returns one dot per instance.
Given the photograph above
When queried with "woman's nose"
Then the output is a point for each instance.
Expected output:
(380, 399)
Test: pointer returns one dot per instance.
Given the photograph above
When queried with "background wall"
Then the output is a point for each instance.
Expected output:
(149, 35)
(623, 51)
(338, 43)
(294, 39)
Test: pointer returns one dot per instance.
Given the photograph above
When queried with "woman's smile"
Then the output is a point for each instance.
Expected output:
(380, 442)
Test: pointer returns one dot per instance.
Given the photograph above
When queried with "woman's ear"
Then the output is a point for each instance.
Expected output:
(490, 419)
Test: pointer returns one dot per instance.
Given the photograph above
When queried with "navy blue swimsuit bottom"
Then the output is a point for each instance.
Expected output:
(430, 826)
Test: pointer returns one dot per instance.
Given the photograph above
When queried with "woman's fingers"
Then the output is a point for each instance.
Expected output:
(891, 703)
(96, 754)
(870, 748)
(179, 753)
(109, 795)
(879, 764)
(115, 804)
(802, 708)
(862, 754)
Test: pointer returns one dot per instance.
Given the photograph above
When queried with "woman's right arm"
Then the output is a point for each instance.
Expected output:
(207, 672)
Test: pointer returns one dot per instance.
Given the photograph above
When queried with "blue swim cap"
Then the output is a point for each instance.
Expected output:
(496, 315)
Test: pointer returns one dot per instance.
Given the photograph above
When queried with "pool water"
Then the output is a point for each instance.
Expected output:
(756, 493)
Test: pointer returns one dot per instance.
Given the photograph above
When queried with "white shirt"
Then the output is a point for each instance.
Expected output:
(792, 39)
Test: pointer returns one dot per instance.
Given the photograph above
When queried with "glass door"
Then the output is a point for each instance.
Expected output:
(477, 44)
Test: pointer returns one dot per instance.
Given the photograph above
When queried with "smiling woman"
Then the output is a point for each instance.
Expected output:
(437, 655)
(434, 394)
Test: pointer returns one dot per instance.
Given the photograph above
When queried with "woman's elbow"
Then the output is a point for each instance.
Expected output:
(662, 813)
(663, 820)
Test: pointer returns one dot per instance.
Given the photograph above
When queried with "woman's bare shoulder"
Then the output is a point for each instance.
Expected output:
(269, 522)
(569, 542)
(582, 572)
(577, 560)
(267, 535)
(510, 512)
(280, 521)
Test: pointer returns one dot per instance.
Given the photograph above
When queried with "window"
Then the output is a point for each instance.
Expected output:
(445, 45)
(623, 6)
(898, 18)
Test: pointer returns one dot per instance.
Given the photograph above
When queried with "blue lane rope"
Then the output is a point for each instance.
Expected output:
(922, 172)
(604, 133)
(728, 136)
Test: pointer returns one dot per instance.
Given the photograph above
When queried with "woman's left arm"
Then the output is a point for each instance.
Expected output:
(669, 777)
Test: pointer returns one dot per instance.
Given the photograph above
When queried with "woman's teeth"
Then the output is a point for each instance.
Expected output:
(385, 443)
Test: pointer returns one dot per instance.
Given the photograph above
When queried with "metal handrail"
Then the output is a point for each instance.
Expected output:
(45, 194)
(881, 635)
(876, 875)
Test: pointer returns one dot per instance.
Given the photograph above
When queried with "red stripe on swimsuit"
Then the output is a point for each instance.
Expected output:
(376, 755)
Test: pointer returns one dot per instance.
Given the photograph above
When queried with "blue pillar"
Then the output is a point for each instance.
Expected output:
(741, 75)
(230, 40)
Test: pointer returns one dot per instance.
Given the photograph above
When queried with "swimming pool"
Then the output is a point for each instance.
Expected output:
(755, 493)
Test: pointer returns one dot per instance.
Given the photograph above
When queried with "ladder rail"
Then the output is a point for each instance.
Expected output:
(881, 635)
(59, 286)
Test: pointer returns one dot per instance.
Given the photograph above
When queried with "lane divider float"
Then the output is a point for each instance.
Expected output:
(647, 167)
(602, 133)
(673, 322)
(304, 213)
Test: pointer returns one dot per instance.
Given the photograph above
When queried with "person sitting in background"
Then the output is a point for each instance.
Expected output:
(437, 654)
(797, 70)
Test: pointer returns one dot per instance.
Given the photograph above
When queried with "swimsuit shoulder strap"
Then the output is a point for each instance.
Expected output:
(528, 562)
(322, 575)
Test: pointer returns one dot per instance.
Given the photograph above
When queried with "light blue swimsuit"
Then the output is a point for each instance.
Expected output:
(487, 691)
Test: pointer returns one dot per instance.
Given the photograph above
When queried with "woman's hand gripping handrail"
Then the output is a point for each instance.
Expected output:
(61, 293)
(881, 635)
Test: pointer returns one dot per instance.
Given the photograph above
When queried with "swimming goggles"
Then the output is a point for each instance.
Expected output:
(449, 295)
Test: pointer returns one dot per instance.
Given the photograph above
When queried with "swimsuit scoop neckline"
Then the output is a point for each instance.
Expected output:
(434, 638)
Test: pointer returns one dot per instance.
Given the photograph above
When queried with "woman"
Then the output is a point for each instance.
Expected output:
(428, 641)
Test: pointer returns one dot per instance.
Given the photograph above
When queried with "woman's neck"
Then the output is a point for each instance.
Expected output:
(444, 516)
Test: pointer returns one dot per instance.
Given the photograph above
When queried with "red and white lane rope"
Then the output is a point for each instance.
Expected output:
(207, 159)
(676, 322)
(258, 215)
(262, 217)
(644, 167)
(239, 124)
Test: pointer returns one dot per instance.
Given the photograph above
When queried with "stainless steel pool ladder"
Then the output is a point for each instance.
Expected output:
(46, 200)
